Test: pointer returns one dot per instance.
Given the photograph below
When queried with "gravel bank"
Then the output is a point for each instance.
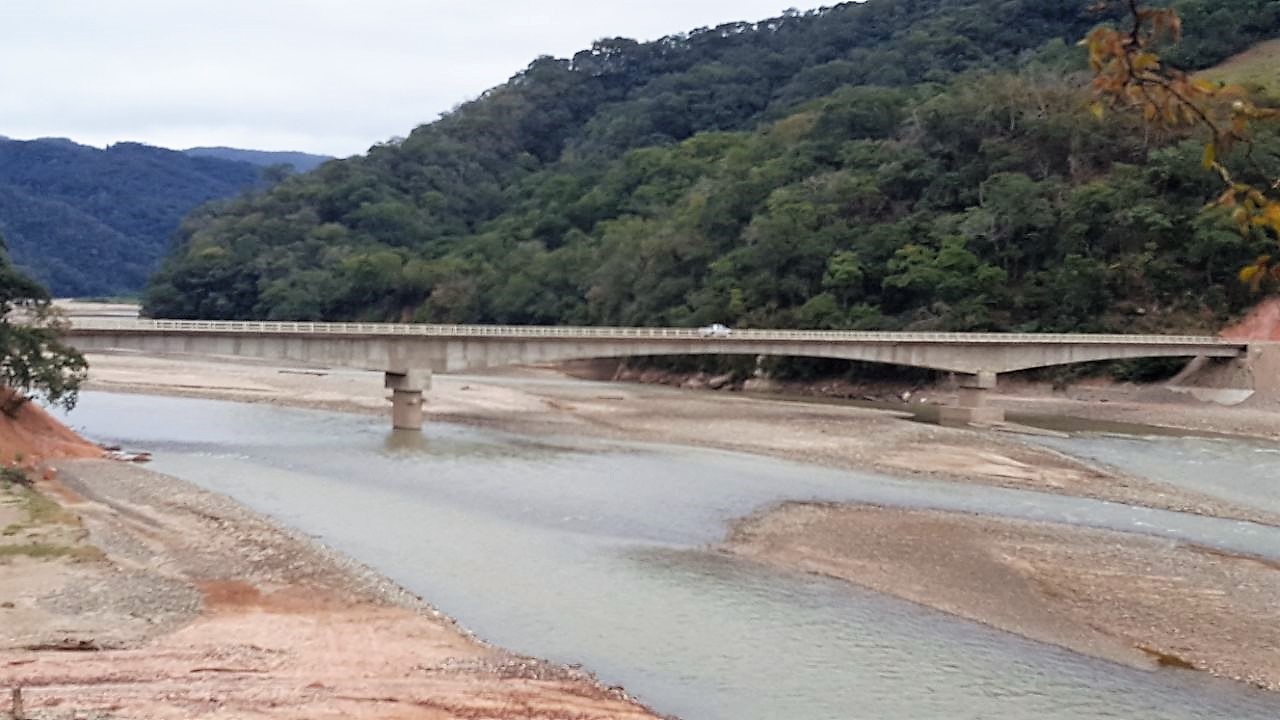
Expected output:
(202, 608)
(1127, 598)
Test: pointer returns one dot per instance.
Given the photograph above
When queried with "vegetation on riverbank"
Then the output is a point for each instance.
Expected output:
(34, 361)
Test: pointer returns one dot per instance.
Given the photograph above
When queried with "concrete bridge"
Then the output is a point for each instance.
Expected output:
(408, 354)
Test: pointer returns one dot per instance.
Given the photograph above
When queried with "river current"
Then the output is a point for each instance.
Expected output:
(602, 553)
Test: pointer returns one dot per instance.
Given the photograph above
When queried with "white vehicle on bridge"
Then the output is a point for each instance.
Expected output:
(714, 330)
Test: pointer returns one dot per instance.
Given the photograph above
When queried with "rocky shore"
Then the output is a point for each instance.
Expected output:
(137, 595)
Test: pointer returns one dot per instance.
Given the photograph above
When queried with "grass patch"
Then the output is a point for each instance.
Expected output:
(49, 551)
(43, 511)
(14, 475)
(1258, 67)
(39, 509)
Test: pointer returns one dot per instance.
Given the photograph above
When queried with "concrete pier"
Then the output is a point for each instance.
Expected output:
(972, 406)
(407, 387)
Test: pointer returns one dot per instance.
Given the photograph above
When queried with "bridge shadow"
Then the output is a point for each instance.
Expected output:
(407, 442)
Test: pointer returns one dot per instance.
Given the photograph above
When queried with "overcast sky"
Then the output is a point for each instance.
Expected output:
(325, 76)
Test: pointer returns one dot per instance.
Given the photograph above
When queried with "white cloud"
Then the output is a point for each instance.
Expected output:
(329, 76)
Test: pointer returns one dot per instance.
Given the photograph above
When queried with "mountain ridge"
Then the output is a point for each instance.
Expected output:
(89, 221)
(300, 161)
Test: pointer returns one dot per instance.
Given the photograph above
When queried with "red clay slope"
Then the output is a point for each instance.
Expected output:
(31, 435)
(1262, 323)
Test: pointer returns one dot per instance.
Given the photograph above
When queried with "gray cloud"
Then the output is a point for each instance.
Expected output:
(329, 76)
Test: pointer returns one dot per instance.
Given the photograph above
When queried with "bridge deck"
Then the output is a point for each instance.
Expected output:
(90, 325)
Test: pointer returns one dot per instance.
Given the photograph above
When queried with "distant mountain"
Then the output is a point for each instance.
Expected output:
(300, 161)
(86, 221)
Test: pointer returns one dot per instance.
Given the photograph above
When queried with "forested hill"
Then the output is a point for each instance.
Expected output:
(296, 161)
(85, 221)
(892, 164)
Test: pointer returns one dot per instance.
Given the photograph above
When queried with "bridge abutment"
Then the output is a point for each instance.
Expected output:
(972, 403)
(407, 388)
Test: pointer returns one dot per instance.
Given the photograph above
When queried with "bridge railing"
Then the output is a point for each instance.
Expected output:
(620, 333)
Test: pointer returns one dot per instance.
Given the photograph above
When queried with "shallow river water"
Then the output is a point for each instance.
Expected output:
(601, 554)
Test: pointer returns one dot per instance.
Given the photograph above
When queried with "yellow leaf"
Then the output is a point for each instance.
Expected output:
(1205, 86)
(1210, 154)
(1097, 110)
(1145, 61)
(1271, 216)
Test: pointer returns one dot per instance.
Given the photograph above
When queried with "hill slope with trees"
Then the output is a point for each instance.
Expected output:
(923, 164)
(85, 221)
(296, 161)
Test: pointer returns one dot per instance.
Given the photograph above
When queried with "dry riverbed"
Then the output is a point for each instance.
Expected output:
(137, 595)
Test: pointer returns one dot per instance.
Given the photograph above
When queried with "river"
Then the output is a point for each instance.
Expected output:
(602, 553)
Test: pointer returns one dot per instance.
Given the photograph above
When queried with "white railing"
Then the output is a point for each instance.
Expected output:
(99, 325)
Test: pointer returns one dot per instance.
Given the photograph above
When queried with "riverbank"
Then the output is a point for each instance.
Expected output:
(1132, 599)
(139, 595)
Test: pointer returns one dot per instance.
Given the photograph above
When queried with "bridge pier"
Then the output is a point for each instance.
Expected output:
(971, 406)
(407, 387)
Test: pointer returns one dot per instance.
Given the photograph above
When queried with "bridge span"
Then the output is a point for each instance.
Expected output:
(408, 354)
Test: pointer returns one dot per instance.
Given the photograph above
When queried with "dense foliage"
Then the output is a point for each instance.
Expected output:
(893, 164)
(34, 362)
(85, 221)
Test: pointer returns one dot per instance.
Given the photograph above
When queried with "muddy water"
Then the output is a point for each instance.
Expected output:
(594, 553)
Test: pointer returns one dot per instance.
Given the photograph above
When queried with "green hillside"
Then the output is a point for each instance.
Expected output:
(85, 221)
(893, 164)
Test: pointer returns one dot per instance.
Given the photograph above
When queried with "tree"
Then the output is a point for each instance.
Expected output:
(1130, 74)
(34, 362)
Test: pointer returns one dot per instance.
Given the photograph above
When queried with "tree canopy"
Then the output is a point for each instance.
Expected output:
(34, 362)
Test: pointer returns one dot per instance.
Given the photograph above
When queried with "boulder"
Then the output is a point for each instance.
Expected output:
(719, 381)
(761, 385)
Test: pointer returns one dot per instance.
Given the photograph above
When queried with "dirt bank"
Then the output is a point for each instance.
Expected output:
(1261, 324)
(534, 401)
(155, 599)
(29, 436)
(1127, 598)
